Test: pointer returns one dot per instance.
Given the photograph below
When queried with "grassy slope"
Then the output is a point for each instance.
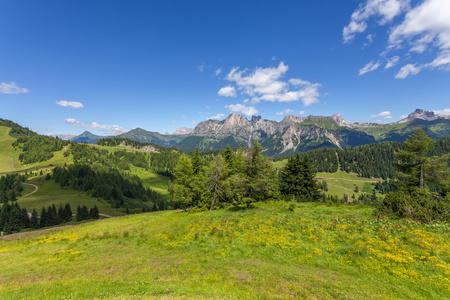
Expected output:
(50, 193)
(6, 151)
(316, 252)
(340, 183)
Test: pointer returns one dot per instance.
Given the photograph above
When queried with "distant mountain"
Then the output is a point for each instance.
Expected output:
(87, 137)
(144, 136)
(291, 135)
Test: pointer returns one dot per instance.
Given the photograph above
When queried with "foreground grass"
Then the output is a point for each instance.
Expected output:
(317, 251)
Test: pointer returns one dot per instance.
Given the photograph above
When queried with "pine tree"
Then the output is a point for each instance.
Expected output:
(414, 159)
(34, 223)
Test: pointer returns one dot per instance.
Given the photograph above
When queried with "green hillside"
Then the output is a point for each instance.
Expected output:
(317, 251)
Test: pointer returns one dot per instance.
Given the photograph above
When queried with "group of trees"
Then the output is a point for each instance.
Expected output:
(38, 148)
(118, 188)
(240, 178)
(84, 214)
(10, 187)
(13, 218)
(420, 173)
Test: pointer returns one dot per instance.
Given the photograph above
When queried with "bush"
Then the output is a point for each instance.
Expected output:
(418, 205)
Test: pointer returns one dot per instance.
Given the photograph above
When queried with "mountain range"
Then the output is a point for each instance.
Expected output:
(291, 135)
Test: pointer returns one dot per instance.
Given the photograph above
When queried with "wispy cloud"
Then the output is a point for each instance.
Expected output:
(218, 71)
(422, 28)
(286, 111)
(384, 114)
(266, 84)
(216, 117)
(385, 9)
(12, 88)
(110, 129)
(371, 66)
(302, 112)
(392, 62)
(409, 69)
(73, 104)
(246, 110)
(227, 91)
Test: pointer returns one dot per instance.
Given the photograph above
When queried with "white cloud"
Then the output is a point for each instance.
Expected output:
(371, 66)
(202, 68)
(302, 112)
(444, 112)
(73, 104)
(402, 117)
(12, 88)
(409, 69)
(386, 9)
(442, 61)
(265, 84)
(286, 111)
(218, 72)
(227, 91)
(184, 117)
(392, 62)
(111, 129)
(429, 21)
(216, 117)
(246, 110)
(384, 114)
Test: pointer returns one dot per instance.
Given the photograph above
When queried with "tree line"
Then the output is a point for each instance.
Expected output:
(10, 187)
(239, 178)
(13, 218)
(38, 148)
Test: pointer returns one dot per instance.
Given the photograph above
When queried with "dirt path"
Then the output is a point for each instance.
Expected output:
(36, 188)
(12, 163)
(353, 180)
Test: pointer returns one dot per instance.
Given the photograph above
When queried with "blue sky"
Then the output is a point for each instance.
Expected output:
(108, 66)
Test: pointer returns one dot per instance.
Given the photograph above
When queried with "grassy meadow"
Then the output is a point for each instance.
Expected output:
(49, 193)
(316, 251)
(340, 183)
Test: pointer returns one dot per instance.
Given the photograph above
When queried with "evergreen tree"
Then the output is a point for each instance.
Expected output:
(414, 159)
(34, 223)
(182, 188)
(93, 213)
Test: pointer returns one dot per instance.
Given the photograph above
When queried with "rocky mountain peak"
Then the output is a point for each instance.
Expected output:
(236, 120)
(420, 114)
(183, 131)
(292, 119)
(340, 120)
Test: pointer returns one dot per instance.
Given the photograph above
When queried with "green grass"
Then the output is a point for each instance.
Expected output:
(6, 150)
(318, 251)
(51, 193)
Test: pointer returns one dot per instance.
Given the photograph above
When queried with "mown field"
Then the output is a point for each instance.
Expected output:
(341, 183)
(49, 193)
(316, 251)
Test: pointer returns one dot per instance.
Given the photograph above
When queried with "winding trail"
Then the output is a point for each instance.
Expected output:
(36, 188)
(12, 163)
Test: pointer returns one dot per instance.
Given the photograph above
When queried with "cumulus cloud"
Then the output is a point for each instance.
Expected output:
(286, 111)
(423, 27)
(73, 104)
(444, 112)
(246, 110)
(227, 91)
(392, 62)
(384, 114)
(111, 129)
(371, 66)
(216, 117)
(385, 10)
(409, 69)
(12, 88)
(266, 84)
